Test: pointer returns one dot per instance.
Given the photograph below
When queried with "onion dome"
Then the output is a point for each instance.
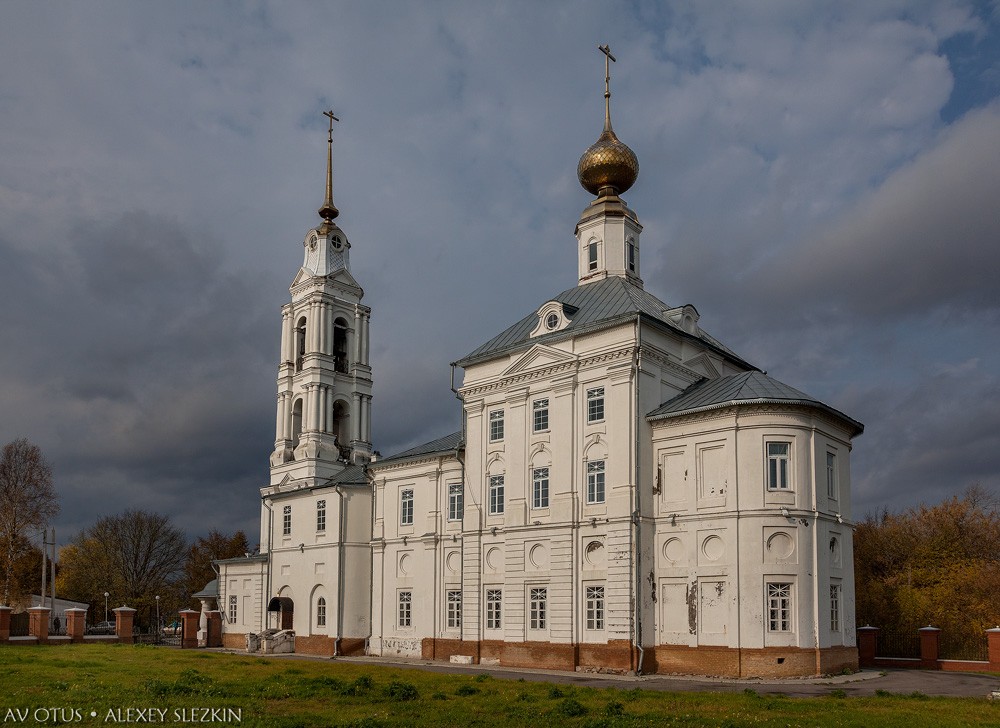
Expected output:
(608, 167)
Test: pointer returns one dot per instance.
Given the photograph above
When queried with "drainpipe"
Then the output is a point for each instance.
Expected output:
(371, 566)
(739, 558)
(340, 571)
(267, 564)
(461, 461)
(637, 512)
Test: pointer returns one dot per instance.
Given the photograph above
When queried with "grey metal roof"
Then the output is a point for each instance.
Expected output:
(596, 303)
(351, 475)
(446, 444)
(210, 590)
(746, 388)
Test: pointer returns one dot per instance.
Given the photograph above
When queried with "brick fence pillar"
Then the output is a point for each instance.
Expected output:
(76, 618)
(930, 642)
(214, 636)
(189, 628)
(38, 623)
(992, 635)
(124, 619)
(4, 623)
(867, 645)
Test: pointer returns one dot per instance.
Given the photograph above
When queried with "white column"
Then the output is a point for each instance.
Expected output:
(283, 353)
(322, 408)
(279, 424)
(367, 321)
(368, 419)
(329, 409)
(357, 335)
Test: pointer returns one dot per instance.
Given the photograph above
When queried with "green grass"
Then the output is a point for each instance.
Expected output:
(286, 693)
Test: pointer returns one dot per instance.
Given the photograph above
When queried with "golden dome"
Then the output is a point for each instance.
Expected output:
(608, 165)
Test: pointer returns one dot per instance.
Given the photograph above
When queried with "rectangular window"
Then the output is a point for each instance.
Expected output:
(631, 257)
(540, 415)
(835, 607)
(777, 466)
(595, 607)
(779, 607)
(233, 600)
(321, 515)
(455, 502)
(540, 488)
(454, 609)
(537, 607)
(321, 612)
(286, 521)
(406, 507)
(496, 425)
(831, 475)
(405, 609)
(496, 495)
(595, 481)
(494, 603)
(595, 404)
(592, 256)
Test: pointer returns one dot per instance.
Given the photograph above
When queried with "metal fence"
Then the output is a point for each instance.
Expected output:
(962, 648)
(898, 643)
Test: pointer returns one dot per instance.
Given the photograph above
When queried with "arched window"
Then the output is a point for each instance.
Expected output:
(296, 422)
(340, 345)
(300, 343)
(321, 612)
(338, 427)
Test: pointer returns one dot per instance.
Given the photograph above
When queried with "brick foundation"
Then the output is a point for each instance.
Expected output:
(762, 662)
(234, 640)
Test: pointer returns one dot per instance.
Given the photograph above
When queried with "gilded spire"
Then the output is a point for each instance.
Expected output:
(329, 211)
(608, 167)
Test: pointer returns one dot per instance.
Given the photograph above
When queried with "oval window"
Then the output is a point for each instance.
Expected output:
(551, 321)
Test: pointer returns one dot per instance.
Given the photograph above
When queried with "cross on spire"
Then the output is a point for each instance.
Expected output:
(606, 50)
(329, 211)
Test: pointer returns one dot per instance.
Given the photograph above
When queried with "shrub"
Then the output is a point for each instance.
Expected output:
(571, 708)
(466, 690)
(614, 709)
(399, 691)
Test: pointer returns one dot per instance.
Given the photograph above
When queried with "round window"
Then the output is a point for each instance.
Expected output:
(551, 321)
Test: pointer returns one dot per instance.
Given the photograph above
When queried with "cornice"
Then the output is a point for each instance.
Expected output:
(504, 382)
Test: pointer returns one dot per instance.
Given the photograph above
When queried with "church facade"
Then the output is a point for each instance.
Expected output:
(626, 493)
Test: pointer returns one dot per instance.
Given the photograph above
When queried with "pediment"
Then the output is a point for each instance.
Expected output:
(702, 363)
(538, 357)
(344, 277)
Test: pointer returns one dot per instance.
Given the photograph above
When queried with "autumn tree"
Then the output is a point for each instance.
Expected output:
(198, 569)
(27, 502)
(135, 556)
(931, 565)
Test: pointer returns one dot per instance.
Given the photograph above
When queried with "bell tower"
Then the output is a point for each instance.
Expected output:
(608, 231)
(324, 378)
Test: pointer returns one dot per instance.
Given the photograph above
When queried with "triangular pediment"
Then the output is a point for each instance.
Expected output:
(702, 363)
(538, 357)
(344, 277)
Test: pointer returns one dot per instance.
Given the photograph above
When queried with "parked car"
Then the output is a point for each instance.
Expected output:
(173, 629)
(102, 628)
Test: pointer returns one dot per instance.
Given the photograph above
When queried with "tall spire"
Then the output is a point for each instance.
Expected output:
(608, 167)
(329, 211)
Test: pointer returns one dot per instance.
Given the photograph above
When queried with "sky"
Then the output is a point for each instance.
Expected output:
(821, 180)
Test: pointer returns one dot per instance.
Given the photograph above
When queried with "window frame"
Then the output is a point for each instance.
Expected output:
(453, 608)
(496, 418)
(836, 594)
(594, 607)
(538, 597)
(832, 476)
(540, 415)
(631, 256)
(778, 605)
(496, 494)
(286, 520)
(233, 606)
(596, 481)
(494, 609)
(406, 507)
(540, 487)
(321, 611)
(321, 515)
(595, 405)
(778, 467)
(404, 610)
(456, 501)
(592, 257)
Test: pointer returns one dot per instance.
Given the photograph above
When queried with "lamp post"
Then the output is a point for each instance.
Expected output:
(106, 595)
(157, 616)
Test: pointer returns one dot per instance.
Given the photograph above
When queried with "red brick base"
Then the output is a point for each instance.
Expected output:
(324, 645)
(618, 656)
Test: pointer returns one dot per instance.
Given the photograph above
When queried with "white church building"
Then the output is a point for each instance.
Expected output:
(626, 493)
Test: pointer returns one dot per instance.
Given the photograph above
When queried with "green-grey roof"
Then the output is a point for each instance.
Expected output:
(440, 446)
(746, 388)
(351, 475)
(210, 591)
(598, 303)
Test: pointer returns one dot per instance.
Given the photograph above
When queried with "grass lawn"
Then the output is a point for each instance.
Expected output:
(66, 684)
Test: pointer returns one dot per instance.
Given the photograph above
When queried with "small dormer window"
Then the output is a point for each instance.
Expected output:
(592, 256)
(337, 242)
(552, 321)
(553, 316)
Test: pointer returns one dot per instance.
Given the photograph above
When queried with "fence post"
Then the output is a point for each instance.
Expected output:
(75, 620)
(4, 623)
(124, 618)
(214, 636)
(993, 637)
(930, 641)
(189, 628)
(38, 624)
(867, 644)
